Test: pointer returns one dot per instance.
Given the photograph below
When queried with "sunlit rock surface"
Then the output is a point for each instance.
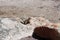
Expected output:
(13, 29)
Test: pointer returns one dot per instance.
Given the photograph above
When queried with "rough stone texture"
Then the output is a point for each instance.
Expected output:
(28, 38)
(13, 29)
(50, 9)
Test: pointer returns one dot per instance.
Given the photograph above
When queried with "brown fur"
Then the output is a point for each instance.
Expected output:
(47, 33)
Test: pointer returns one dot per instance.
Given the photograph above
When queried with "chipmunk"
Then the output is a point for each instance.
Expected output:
(45, 33)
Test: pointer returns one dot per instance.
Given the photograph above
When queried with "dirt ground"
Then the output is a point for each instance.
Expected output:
(49, 9)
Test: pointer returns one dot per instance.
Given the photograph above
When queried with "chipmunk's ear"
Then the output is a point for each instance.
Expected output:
(45, 33)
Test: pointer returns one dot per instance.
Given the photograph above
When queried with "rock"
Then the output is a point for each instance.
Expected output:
(13, 29)
(28, 38)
